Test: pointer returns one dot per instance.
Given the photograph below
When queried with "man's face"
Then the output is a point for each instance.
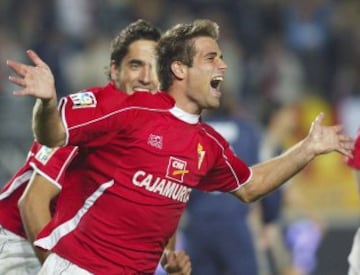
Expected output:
(206, 74)
(137, 70)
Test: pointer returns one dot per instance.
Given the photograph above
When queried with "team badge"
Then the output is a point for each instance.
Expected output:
(155, 141)
(201, 155)
(83, 100)
(45, 154)
(176, 169)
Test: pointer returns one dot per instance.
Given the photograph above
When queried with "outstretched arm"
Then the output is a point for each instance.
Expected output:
(34, 207)
(269, 175)
(38, 81)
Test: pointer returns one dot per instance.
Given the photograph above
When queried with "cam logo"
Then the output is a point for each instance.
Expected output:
(176, 169)
(45, 154)
(83, 100)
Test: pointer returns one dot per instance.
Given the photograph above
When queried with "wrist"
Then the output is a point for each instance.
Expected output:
(307, 150)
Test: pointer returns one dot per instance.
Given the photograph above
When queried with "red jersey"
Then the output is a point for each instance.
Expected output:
(48, 162)
(355, 160)
(145, 156)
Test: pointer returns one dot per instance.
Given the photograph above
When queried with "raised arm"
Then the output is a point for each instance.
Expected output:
(38, 81)
(269, 175)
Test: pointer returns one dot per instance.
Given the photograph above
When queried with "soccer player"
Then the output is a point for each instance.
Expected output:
(148, 154)
(131, 69)
(43, 166)
(353, 259)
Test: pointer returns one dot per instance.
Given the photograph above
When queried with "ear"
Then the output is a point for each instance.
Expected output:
(178, 69)
(113, 70)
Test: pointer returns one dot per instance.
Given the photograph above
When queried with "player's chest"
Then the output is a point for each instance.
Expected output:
(179, 154)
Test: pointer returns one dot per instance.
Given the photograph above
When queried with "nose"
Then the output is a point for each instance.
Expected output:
(148, 78)
(222, 65)
(146, 75)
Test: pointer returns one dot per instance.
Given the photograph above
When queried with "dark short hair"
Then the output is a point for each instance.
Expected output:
(138, 30)
(177, 45)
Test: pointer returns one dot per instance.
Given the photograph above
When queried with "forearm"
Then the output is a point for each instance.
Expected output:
(47, 124)
(34, 207)
(172, 242)
(34, 218)
(271, 174)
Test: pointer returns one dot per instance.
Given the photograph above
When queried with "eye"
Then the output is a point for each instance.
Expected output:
(134, 66)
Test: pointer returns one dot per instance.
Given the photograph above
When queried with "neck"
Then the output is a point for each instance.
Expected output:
(183, 102)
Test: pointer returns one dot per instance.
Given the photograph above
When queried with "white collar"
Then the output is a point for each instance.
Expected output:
(184, 116)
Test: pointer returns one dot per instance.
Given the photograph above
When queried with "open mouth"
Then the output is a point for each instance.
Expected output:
(216, 81)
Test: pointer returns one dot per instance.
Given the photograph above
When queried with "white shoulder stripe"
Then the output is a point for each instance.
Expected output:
(114, 113)
(20, 180)
(67, 227)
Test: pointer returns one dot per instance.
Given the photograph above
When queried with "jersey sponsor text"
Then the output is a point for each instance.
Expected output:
(161, 186)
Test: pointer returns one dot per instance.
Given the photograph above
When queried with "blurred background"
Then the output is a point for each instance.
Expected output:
(303, 53)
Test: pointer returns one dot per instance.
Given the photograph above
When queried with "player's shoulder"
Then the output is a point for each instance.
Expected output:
(211, 131)
(106, 97)
(159, 100)
(107, 92)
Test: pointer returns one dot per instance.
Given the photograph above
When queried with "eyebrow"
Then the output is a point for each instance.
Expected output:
(212, 54)
(136, 61)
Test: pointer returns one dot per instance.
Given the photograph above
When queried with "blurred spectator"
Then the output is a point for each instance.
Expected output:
(308, 33)
(216, 242)
(281, 74)
(279, 123)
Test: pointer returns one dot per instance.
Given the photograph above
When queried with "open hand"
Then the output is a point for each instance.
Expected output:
(324, 139)
(36, 80)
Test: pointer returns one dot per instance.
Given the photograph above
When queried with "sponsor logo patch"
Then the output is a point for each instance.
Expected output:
(45, 154)
(83, 100)
(176, 169)
(155, 141)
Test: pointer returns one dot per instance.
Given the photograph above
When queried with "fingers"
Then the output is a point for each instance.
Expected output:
(320, 118)
(317, 121)
(346, 152)
(36, 59)
(178, 263)
(22, 69)
(18, 68)
(346, 146)
(17, 81)
(184, 263)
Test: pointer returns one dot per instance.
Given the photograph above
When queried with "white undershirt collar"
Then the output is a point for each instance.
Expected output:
(184, 116)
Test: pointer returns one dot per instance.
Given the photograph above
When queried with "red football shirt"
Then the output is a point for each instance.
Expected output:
(145, 156)
(355, 160)
(50, 163)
